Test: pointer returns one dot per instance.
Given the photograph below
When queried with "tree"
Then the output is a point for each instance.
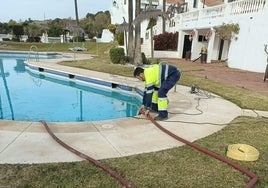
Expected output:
(164, 20)
(141, 16)
(55, 27)
(4, 28)
(112, 28)
(90, 15)
(227, 32)
(130, 49)
(137, 55)
(76, 12)
(94, 24)
(101, 22)
(18, 31)
(150, 26)
(33, 30)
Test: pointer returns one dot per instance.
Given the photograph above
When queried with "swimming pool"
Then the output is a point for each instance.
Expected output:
(27, 94)
(30, 55)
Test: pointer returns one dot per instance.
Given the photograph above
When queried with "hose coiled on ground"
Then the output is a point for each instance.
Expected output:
(242, 152)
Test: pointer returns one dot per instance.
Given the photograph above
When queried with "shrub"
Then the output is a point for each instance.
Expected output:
(33, 39)
(120, 38)
(112, 28)
(127, 59)
(166, 41)
(117, 55)
(77, 39)
(6, 39)
(15, 39)
(144, 59)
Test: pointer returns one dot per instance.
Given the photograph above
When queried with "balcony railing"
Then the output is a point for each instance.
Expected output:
(226, 10)
(247, 6)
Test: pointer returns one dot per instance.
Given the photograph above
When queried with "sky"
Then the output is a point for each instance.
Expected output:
(21, 10)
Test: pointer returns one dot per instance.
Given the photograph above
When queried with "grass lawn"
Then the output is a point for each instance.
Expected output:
(177, 167)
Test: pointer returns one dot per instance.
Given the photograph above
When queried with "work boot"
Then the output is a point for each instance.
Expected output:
(153, 111)
(158, 118)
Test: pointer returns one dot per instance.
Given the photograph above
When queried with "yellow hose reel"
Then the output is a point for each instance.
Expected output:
(242, 152)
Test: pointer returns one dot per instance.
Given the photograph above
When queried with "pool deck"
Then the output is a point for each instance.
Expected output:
(192, 116)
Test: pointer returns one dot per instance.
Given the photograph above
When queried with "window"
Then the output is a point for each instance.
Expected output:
(172, 23)
(202, 38)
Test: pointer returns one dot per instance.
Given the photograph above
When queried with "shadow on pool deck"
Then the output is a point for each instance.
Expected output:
(191, 116)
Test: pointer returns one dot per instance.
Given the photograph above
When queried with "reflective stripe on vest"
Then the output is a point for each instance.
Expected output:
(155, 97)
(162, 104)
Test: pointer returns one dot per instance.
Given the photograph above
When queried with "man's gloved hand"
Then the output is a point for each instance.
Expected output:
(144, 110)
(147, 112)
(141, 110)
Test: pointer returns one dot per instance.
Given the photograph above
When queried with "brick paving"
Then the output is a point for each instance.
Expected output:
(218, 71)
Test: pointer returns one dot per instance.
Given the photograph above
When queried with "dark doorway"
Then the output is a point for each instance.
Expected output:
(221, 49)
(187, 47)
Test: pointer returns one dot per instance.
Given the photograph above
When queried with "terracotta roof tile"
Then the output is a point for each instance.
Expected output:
(174, 1)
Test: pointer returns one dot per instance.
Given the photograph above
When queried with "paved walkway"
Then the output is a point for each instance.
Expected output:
(219, 71)
(192, 116)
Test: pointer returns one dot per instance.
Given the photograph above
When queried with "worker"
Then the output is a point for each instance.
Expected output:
(159, 79)
(203, 54)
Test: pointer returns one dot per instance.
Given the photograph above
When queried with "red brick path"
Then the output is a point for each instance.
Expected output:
(218, 71)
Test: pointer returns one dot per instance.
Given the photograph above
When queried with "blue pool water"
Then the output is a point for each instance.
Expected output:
(31, 55)
(30, 95)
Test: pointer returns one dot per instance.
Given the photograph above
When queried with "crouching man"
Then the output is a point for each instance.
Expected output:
(158, 79)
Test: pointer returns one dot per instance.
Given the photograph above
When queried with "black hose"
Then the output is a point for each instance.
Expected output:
(251, 175)
(93, 161)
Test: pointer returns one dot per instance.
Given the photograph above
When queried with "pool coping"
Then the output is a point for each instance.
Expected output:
(80, 77)
(28, 142)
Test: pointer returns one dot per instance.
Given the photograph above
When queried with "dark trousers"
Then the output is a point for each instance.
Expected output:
(166, 85)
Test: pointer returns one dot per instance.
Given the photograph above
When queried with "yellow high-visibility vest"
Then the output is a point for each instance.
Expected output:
(152, 76)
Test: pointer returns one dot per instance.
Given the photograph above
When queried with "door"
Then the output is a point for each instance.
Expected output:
(187, 46)
(221, 49)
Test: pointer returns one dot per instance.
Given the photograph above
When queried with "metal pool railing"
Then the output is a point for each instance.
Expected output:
(33, 50)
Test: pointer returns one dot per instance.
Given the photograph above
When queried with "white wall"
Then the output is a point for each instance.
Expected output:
(107, 36)
(118, 12)
(248, 51)
(166, 54)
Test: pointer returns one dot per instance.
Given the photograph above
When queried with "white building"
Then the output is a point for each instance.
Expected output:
(106, 36)
(199, 17)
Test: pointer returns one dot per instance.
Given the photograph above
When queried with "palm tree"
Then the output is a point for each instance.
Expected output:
(76, 12)
(150, 13)
(137, 55)
(164, 20)
(130, 49)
